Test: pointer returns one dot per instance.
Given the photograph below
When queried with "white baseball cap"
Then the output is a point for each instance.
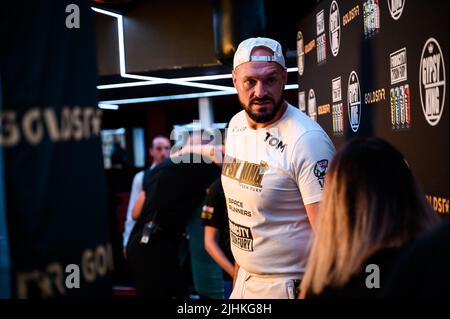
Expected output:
(244, 50)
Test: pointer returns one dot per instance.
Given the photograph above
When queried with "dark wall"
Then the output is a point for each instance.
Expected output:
(158, 34)
(175, 34)
(106, 44)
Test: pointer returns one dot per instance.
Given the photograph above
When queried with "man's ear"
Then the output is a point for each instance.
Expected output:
(234, 77)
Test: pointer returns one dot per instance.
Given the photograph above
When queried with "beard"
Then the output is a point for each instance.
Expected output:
(265, 115)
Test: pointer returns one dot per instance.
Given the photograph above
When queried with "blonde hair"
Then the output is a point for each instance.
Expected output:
(371, 201)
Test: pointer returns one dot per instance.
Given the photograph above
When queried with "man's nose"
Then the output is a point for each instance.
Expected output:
(260, 89)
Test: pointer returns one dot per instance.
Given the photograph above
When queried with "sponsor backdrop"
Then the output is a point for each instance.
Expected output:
(53, 168)
(380, 67)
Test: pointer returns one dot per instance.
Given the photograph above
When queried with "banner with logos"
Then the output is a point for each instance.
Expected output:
(380, 68)
(55, 190)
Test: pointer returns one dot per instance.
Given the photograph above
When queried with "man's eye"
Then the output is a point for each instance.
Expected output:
(271, 81)
(250, 82)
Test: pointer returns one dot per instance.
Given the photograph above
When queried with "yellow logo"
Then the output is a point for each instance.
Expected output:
(244, 172)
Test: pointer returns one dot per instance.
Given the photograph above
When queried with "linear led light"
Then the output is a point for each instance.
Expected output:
(147, 80)
(179, 96)
(180, 82)
(108, 13)
(192, 78)
(291, 87)
(124, 74)
(113, 131)
(119, 18)
(107, 106)
(167, 97)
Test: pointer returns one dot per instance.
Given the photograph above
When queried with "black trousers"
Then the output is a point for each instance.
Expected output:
(156, 268)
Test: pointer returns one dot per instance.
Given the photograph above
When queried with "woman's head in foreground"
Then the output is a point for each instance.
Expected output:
(371, 201)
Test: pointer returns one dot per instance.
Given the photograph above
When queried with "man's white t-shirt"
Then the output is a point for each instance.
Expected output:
(268, 176)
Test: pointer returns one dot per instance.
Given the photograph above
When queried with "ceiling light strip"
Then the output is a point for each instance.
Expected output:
(178, 97)
(188, 79)
(140, 77)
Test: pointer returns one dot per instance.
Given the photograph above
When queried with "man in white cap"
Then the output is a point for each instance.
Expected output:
(273, 174)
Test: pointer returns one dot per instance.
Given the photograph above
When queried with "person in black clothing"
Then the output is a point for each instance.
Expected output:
(217, 237)
(173, 191)
(421, 271)
(372, 206)
(119, 158)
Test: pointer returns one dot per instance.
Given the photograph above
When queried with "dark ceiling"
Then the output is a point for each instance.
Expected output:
(280, 22)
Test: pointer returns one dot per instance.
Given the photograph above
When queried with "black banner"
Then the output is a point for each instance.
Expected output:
(49, 131)
(380, 67)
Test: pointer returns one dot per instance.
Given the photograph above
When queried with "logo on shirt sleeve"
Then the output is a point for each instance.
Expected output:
(207, 212)
(241, 236)
(320, 169)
